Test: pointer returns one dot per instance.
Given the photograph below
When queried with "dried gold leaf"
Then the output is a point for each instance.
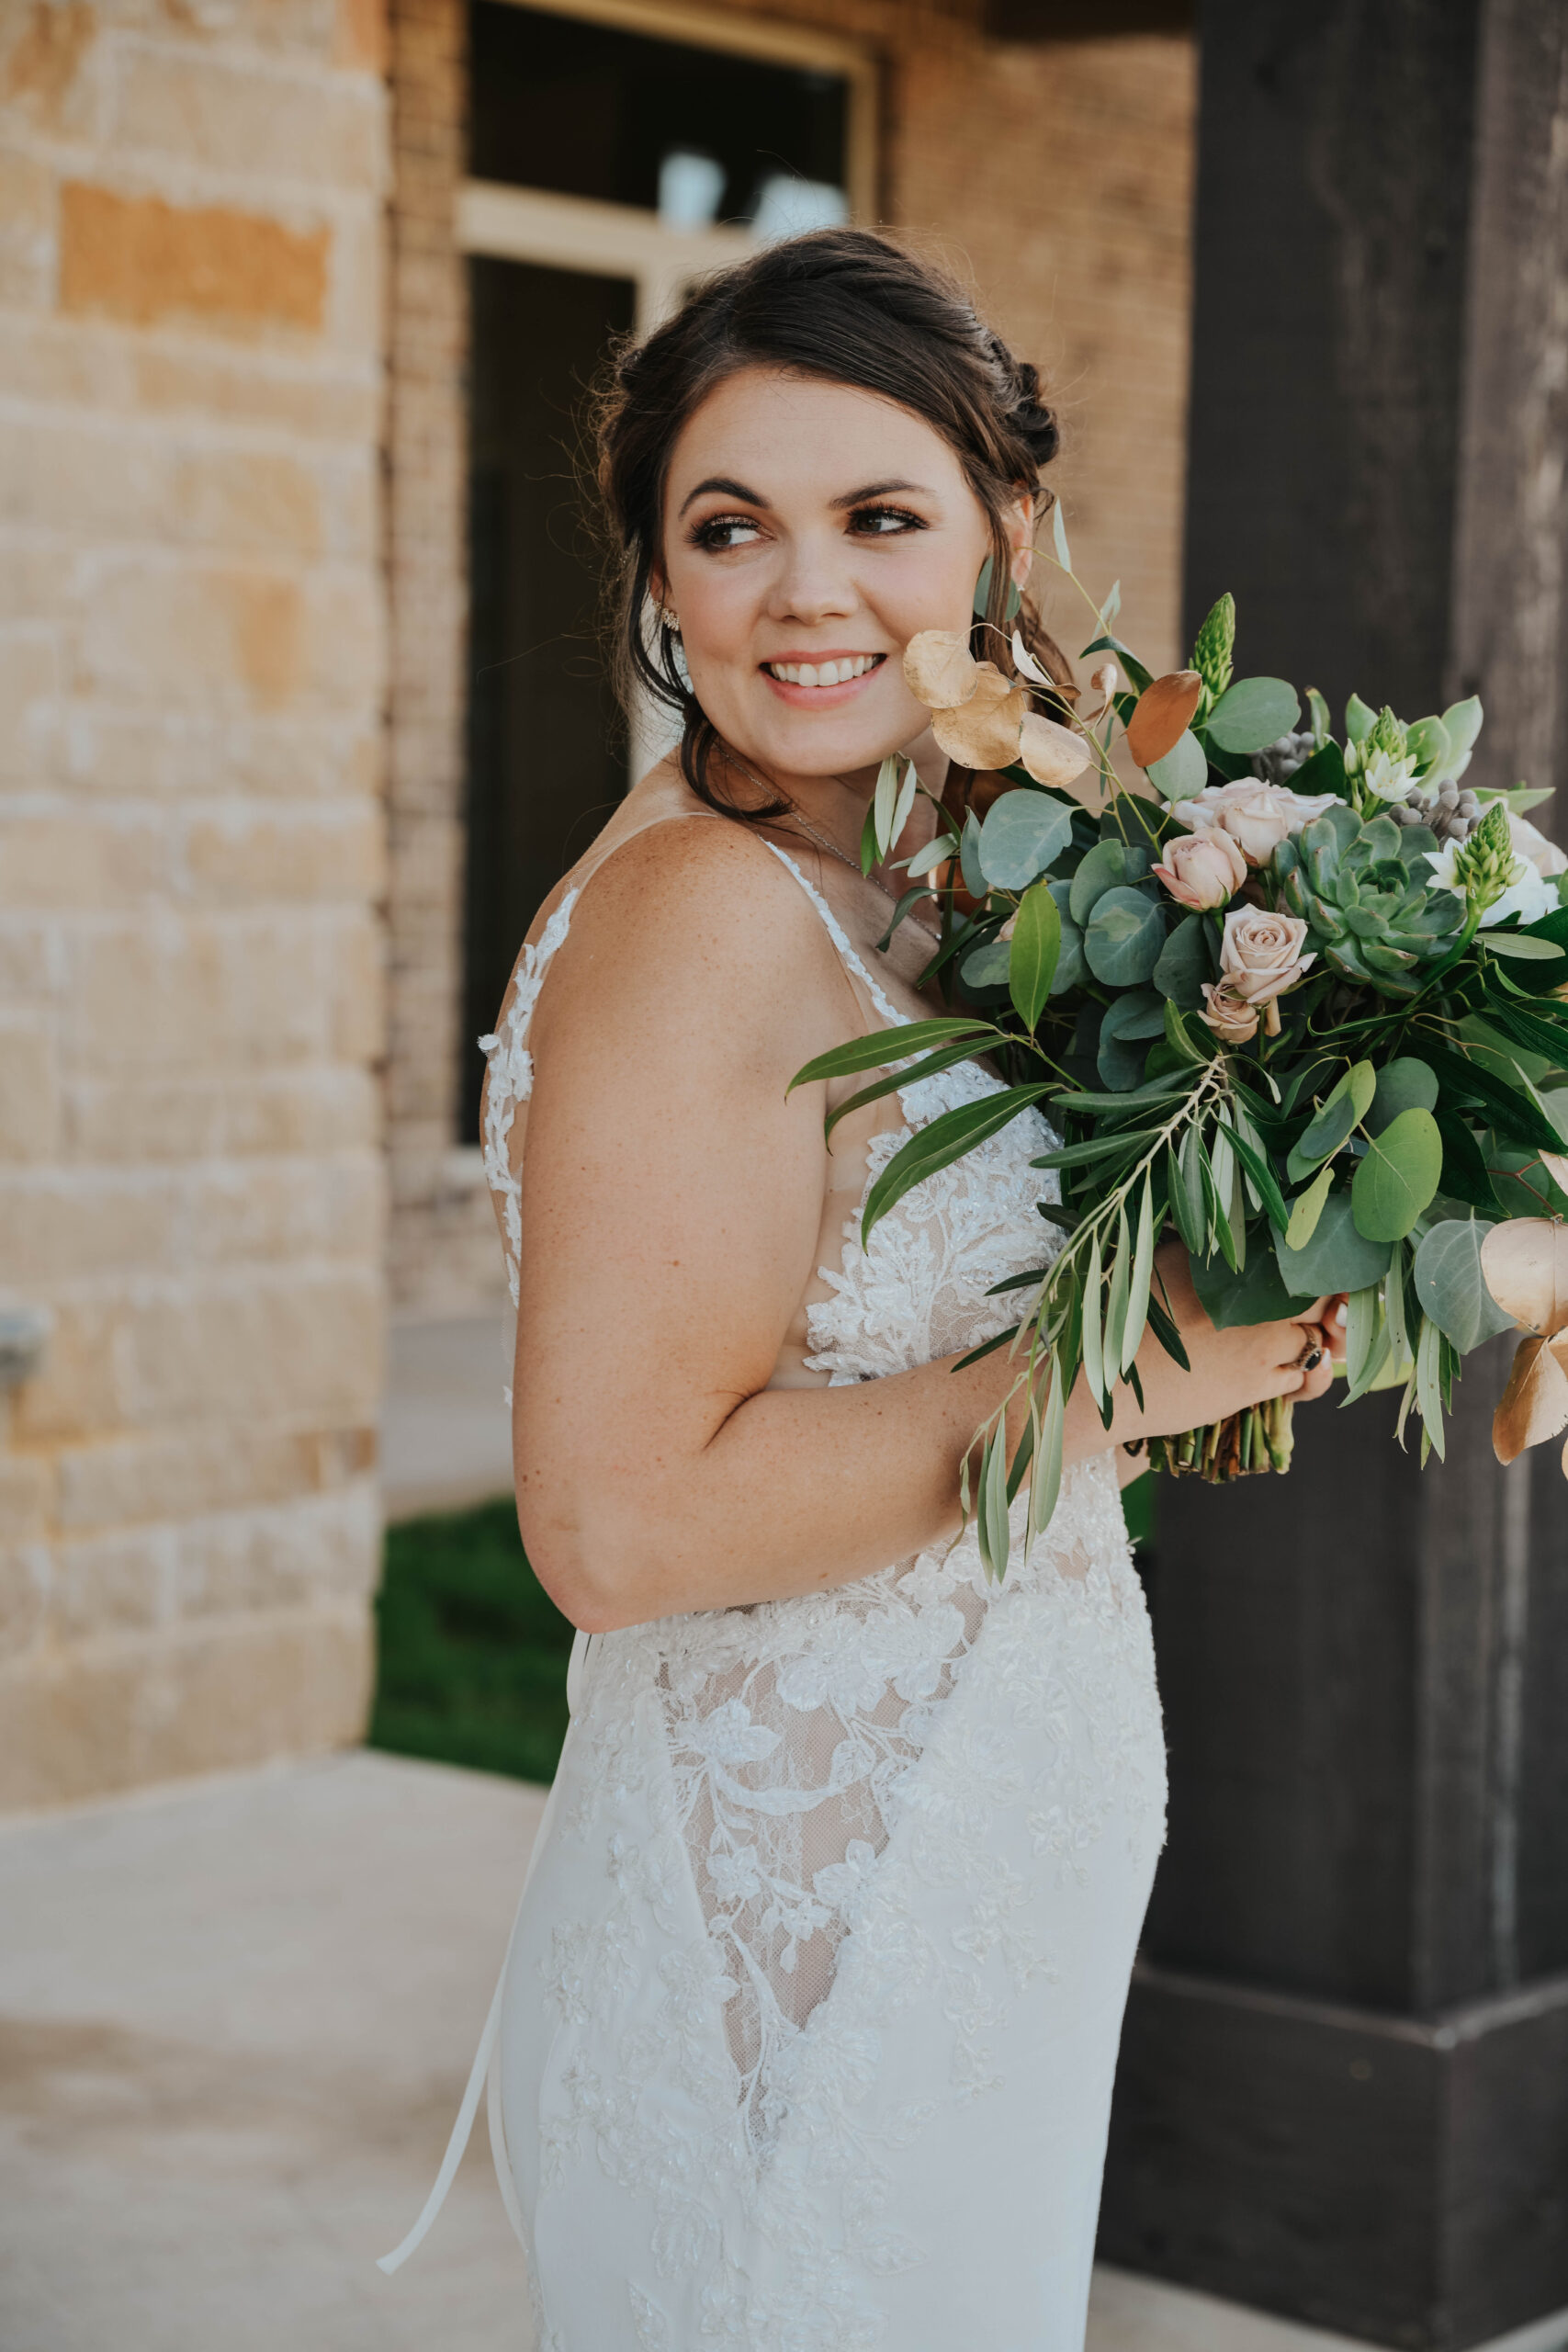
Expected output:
(983, 731)
(1526, 1265)
(1162, 716)
(939, 670)
(1556, 1166)
(1053, 754)
(1534, 1404)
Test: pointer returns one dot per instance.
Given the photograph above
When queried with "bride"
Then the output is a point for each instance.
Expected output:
(807, 2031)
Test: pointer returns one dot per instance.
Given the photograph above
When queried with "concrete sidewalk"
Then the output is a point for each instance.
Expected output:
(235, 2023)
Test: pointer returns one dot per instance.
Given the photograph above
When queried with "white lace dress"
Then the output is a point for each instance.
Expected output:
(807, 2028)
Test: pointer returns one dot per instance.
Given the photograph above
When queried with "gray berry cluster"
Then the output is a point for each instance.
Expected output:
(1451, 811)
(1279, 761)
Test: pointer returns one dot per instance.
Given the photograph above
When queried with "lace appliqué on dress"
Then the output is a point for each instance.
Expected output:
(511, 1081)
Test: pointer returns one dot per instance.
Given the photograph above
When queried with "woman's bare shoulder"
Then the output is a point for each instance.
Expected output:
(698, 915)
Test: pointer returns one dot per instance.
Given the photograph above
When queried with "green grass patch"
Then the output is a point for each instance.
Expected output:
(471, 1650)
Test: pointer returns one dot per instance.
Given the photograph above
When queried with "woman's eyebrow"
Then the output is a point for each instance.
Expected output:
(729, 488)
(878, 489)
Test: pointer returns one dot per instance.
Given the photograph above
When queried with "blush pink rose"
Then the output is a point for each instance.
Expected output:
(1261, 953)
(1233, 1020)
(1257, 816)
(1202, 870)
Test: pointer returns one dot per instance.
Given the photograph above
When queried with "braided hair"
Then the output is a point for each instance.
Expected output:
(851, 307)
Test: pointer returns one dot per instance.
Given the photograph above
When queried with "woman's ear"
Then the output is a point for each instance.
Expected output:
(1019, 524)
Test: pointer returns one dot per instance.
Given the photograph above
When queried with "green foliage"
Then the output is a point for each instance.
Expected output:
(1398, 1177)
(471, 1652)
(1451, 1287)
(1183, 770)
(1336, 1258)
(1252, 714)
(1124, 936)
(1024, 834)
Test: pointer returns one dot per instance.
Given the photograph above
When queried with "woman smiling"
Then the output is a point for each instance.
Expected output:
(807, 2030)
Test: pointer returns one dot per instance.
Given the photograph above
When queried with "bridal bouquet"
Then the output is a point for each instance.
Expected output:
(1297, 997)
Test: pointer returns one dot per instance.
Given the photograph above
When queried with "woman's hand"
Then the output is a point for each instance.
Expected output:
(1230, 1370)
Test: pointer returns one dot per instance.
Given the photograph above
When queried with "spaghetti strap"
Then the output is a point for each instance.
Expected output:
(839, 937)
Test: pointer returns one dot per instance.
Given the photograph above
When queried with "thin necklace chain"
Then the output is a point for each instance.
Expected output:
(806, 827)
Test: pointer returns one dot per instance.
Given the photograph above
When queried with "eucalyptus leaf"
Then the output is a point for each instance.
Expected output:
(1253, 713)
(1059, 536)
(1102, 869)
(1024, 834)
(1451, 1287)
(1347, 1105)
(983, 594)
(1403, 1085)
(1139, 1014)
(1184, 770)
(1185, 963)
(1124, 937)
(1336, 1258)
(1398, 1177)
(1306, 1209)
(1257, 1294)
(988, 966)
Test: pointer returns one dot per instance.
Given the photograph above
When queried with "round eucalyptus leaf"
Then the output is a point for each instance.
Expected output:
(1102, 869)
(1257, 1295)
(1023, 832)
(1403, 1085)
(1451, 1287)
(987, 967)
(1184, 770)
(1139, 1014)
(1336, 1258)
(1184, 964)
(1252, 714)
(1398, 1176)
(1124, 938)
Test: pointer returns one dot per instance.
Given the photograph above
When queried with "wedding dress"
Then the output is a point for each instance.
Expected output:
(805, 2035)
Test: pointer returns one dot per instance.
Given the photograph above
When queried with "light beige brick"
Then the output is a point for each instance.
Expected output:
(231, 993)
(61, 855)
(60, 1227)
(27, 225)
(27, 1492)
(185, 1473)
(209, 1699)
(240, 118)
(29, 1089)
(29, 683)
(50, 50)
(156, 1117)
(80, 1390)
(249, 853)
(324, 1548)
(25, 1572)
(285, 1346)
(112, 1584)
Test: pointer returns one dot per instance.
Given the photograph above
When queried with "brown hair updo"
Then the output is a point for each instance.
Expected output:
(849, 306)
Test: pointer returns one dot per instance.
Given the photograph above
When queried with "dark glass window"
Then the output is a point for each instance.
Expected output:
(587, 110)
(545, 748)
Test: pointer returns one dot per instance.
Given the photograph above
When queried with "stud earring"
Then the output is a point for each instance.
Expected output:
(668, 619)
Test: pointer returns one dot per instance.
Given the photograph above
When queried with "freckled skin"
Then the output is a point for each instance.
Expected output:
(672, 1188)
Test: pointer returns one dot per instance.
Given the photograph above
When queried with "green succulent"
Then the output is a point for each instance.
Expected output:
(1362, 891)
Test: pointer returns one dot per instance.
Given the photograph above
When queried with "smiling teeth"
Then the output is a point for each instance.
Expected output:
(823, 673)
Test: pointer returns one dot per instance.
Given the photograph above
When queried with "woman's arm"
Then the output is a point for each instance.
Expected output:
(671, 1201)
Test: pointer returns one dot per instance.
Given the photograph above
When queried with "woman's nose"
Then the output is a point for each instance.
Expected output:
(814, 583)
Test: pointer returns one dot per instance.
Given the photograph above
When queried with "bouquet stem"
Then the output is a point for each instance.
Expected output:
(1261, 1438)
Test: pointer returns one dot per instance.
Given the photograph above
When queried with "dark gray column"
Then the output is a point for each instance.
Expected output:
(1344, 2090)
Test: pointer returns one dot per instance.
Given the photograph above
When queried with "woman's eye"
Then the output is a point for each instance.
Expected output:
(883, 522)
(722, 531)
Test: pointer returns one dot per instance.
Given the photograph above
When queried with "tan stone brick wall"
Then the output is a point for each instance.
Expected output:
(1056, 175)
(191, 880)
